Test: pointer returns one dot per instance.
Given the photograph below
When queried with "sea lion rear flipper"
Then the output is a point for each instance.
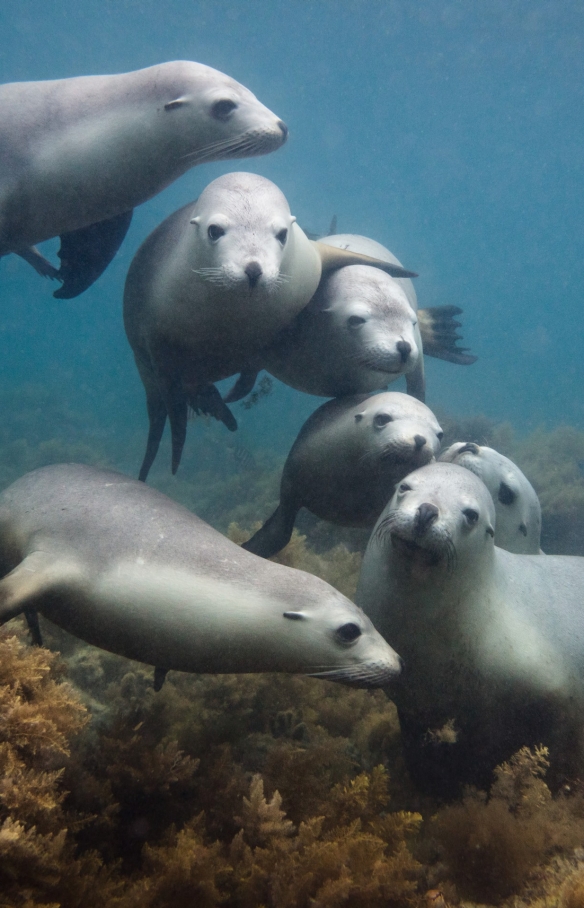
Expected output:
(159, 678)
(208, 400)
(242, 387)
(332, 258)
(275, 533)
(439, 337)
(416, 381)
(40, 264)
(21, 589)
(86, 253)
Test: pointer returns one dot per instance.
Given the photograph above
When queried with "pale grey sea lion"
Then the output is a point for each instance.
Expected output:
(517, 506)
(346, 461)
(360, 331)
(79, 154)
(210, 288)
(127, 569)
(493, 642)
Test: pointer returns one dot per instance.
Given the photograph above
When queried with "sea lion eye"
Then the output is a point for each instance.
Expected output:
(221, 109)
(354, 321)
(214, 231)
(404, 487)
(381, 420)
(282, 236)
(348, 633)
(506, 495)
(471, 515)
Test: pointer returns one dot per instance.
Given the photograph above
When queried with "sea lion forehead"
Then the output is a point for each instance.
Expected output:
(401, 406)
(448, 480)
(229, 191)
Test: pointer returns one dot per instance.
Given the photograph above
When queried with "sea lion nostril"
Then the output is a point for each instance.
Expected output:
(283, 129)
(404, 350)
(253, 272)
(419, 442)
(425, 517)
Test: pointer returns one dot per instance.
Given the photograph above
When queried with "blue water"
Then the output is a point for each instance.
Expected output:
(451, 132)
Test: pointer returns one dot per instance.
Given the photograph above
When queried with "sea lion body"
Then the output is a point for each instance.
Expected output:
(210, 288)
(346, 461)
(125, 568)
(82, 151)
(493, 642)
(518, 527)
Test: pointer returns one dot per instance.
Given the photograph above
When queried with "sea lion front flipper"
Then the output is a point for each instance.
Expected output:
(439, 337)
(159, 678)
(275, 533)
(86, 253)
(178, 411)
(242, 387)
(32, 619)
(332, 258)
(416, 381)
(40, 264)
(207, 400)
(21, 589)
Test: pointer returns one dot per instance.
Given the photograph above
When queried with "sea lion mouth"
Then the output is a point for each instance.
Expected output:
(427, 551)
(366, 675)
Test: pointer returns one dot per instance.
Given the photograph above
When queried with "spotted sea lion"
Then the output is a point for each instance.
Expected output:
(79, 154)
(359, 332)
(346, 461)
(127, 569)
(493, 642)
(209, 288)
(517, 506)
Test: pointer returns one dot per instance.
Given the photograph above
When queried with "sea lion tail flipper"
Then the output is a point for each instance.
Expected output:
(22, 588)
(207, 400)
(242, 387)
(332, 258)
(416, 381)
(275, 533)
(40, 264)
(157, 414)
(86, 253)
(32, 619)
(439, 338)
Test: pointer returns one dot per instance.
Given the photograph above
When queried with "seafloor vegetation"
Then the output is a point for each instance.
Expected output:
(260, 790)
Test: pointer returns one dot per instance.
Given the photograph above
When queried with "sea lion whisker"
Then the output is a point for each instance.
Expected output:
(384, 527)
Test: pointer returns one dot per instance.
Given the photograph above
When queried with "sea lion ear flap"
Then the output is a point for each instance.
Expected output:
(359, 417)
(490, 531)
(333, 258)
(294, 616)
(196, 220)
(178, 102)
(292, 219)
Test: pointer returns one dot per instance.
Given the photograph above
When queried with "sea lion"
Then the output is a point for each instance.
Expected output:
(127, 569)
(493, 642)
(346, 461)
(209, 288)
(359, 332)
(79, 154)
(517, 506)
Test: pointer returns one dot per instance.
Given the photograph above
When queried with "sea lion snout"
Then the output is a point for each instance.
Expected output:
(253, 271)
(426, 515)
(404, 350)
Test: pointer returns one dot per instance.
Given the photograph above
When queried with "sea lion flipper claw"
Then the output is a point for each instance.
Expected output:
(86, 253)
(242, 387)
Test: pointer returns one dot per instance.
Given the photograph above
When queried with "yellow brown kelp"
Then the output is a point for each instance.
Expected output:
(491, 845)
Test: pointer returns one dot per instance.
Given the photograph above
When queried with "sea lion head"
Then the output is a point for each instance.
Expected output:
(215, 117)
(440, 516)
(244, 233)
(333, 639)
(516, 503)
(375, 326)
(397, 428)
